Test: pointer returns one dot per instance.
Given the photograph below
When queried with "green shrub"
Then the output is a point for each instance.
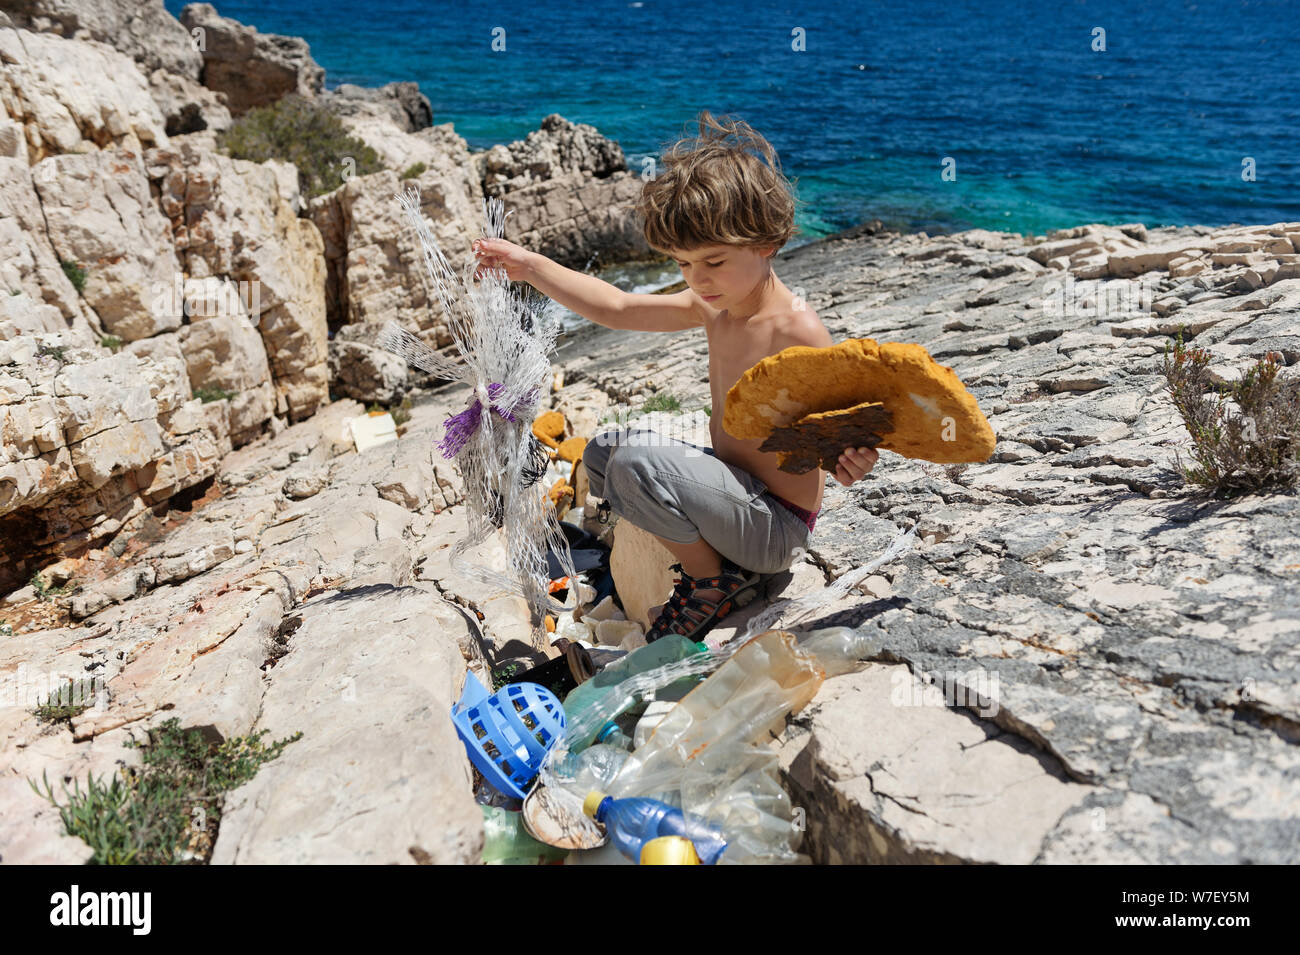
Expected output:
(414, 170)
(76, 275)
(1242, 451)
(213, 393)
(111, 342)
(296, 130)
(166, 811)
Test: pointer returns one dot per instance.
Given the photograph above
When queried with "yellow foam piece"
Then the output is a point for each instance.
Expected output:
(934, 417)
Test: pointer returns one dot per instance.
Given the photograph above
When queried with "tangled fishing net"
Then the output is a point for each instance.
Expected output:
(504, 342)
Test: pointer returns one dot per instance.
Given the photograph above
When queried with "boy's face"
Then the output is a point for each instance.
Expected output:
(723, 275)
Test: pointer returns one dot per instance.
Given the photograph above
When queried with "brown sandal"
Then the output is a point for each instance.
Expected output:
(692, 616)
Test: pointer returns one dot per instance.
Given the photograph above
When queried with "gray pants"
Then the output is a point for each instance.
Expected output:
(683, 493)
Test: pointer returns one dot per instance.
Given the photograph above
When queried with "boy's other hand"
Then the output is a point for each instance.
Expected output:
(855, 464)
(501, 254)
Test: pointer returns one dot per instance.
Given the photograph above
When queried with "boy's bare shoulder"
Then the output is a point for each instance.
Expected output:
(802, 326)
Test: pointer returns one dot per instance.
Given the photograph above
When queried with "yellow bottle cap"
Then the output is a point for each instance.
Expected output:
(669, 850)
(592, 803)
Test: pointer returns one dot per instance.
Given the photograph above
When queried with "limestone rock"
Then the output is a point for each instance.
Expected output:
(939, 789)
(28, 264)
(251, 68)
(375, 263)
(230, 220)
(407, 799)
(46, 84)
(97, 207)
(366, 373)
(186, 106)
(571, 191)
(142, 29)
(402, 103)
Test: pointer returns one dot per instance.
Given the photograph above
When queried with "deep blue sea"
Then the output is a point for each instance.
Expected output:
(1046, 132)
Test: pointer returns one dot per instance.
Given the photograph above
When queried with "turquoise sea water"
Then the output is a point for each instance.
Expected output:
(1045, 132)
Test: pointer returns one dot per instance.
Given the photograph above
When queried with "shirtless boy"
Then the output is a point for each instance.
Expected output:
(728, 514)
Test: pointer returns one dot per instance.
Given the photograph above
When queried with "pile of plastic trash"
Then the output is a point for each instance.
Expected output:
(660, 756)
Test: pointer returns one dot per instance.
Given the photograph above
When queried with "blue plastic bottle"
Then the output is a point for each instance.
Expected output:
(633, 822)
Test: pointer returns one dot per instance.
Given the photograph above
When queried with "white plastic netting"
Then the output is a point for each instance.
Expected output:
(505, 343)
(789, 612)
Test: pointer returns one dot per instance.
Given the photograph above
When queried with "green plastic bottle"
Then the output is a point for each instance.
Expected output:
(594, 703)
(507, 842)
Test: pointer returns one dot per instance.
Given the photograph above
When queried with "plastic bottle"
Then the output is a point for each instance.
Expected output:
(744, 701)
(709, 753)
(611, 735)
(840, 650)
(669, 850)
(506, 841)
(593, 704)
(631, 823)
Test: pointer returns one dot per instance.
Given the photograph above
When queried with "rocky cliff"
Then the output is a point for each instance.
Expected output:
(164, 303)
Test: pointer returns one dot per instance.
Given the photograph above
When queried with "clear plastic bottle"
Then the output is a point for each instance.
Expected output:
(840, 650)
(631, 823)
(709, 754)
(612, 735)
(744, 701)
(597, 701)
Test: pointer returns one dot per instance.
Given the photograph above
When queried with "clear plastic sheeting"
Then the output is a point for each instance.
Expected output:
(505, 343)
(790, 611)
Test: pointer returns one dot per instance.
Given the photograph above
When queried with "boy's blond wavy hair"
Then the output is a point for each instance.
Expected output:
(715, 191)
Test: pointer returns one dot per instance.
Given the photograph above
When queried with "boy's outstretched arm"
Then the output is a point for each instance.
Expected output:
(588, 296)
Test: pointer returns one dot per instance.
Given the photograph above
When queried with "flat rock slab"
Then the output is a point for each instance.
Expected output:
(379, 775)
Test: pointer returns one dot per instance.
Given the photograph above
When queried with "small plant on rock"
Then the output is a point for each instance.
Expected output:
(402, 413)
(168, 810)
(111, 342)
(51, 351)
(663, 402)
(69, 700)
(1241, 451)
(213, 393)
(45, 591)
(413, 170)
(76, 275)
